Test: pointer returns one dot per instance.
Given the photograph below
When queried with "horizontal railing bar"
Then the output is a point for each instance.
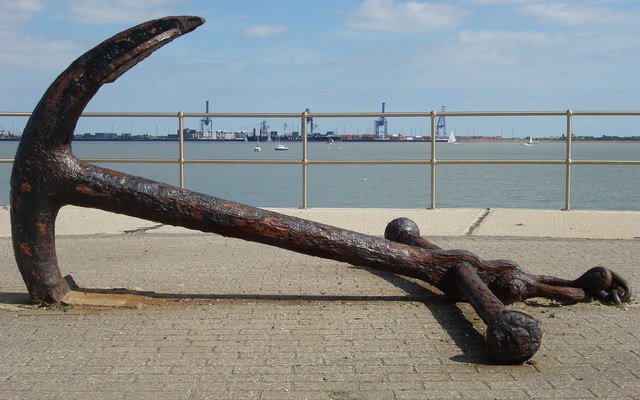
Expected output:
(353, 162)
(370, 115)
(130, 161)
(369, 162)
(607, 113)
(539, 162)
(477, 162)
(243, 115)
(14, 114)
(130, 115)
(172, 161)
(423, 114)
(501, 113)
(186, 161)
(605, 162)
(534, 113)
(505, 162)
(283, 162)
(419, 114)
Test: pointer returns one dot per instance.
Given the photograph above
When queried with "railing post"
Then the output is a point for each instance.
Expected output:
(181, 147)
(433, 160)
(305, 160)
(567, 193)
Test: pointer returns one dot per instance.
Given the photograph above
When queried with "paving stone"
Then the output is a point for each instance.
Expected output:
(302, 327)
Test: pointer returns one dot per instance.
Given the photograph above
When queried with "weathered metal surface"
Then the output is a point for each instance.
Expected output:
(46, 176)
(512, 337)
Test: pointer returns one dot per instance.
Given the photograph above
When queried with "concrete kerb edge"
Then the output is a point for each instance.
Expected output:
(579, 224)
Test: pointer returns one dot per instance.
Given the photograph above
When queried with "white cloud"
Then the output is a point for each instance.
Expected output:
(492, 59)
(16, 13)
(20, 50)
(498, 2)
(119, 11)
(502, 39)
(14, 7)
(36, 52)
(572, 14)
(404, 17)
(262, 31)
(501, 48)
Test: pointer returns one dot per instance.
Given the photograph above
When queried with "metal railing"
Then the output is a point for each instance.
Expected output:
(305, 161)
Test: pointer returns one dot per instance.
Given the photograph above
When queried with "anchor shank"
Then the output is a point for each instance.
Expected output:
(143, 198)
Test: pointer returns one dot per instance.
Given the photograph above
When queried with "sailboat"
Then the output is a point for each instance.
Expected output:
(529, 143)
(280, 147)
(257, 148)
(452, 138)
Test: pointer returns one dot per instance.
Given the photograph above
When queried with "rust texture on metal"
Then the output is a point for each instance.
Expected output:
(46, 176)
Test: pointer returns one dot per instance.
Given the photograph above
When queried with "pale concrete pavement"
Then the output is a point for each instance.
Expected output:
(243, 320)
(439, 222)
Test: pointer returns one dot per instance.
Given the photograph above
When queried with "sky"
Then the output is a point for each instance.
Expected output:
(283, 56)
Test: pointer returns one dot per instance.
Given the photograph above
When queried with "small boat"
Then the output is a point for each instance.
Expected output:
(452, 138)
(529, 143)
(257, 148)
(329, 143)
(280, 147)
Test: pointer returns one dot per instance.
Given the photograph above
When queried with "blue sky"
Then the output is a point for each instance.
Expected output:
(347, 55)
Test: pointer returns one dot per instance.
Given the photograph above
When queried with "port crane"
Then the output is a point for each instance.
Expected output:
(441, 125)
(205, 122)
(380, 126)
(264, 131)
(310, 122)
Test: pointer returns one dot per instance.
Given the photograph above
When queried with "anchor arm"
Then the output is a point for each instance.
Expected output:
(512, 337)
(510, 284)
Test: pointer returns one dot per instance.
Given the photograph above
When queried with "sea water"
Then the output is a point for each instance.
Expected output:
(387, 186)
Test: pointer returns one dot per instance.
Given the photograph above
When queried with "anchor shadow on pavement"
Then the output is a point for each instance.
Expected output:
(448, 315)
(15, 299)
(451, 318)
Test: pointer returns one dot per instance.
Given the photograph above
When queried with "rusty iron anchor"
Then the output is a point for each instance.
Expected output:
(488, 285)
(46, 176)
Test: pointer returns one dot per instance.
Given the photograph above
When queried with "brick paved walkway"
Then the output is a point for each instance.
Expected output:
(272, 324)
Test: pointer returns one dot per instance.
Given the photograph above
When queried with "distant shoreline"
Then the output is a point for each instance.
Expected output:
(634, 139)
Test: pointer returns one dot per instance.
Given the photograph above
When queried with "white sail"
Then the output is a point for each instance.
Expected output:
(452, 138)
(529, 143)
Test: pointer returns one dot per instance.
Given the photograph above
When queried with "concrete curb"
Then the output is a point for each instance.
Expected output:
(440, 222)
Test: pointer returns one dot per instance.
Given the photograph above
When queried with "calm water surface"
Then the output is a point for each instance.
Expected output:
(393, 186)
